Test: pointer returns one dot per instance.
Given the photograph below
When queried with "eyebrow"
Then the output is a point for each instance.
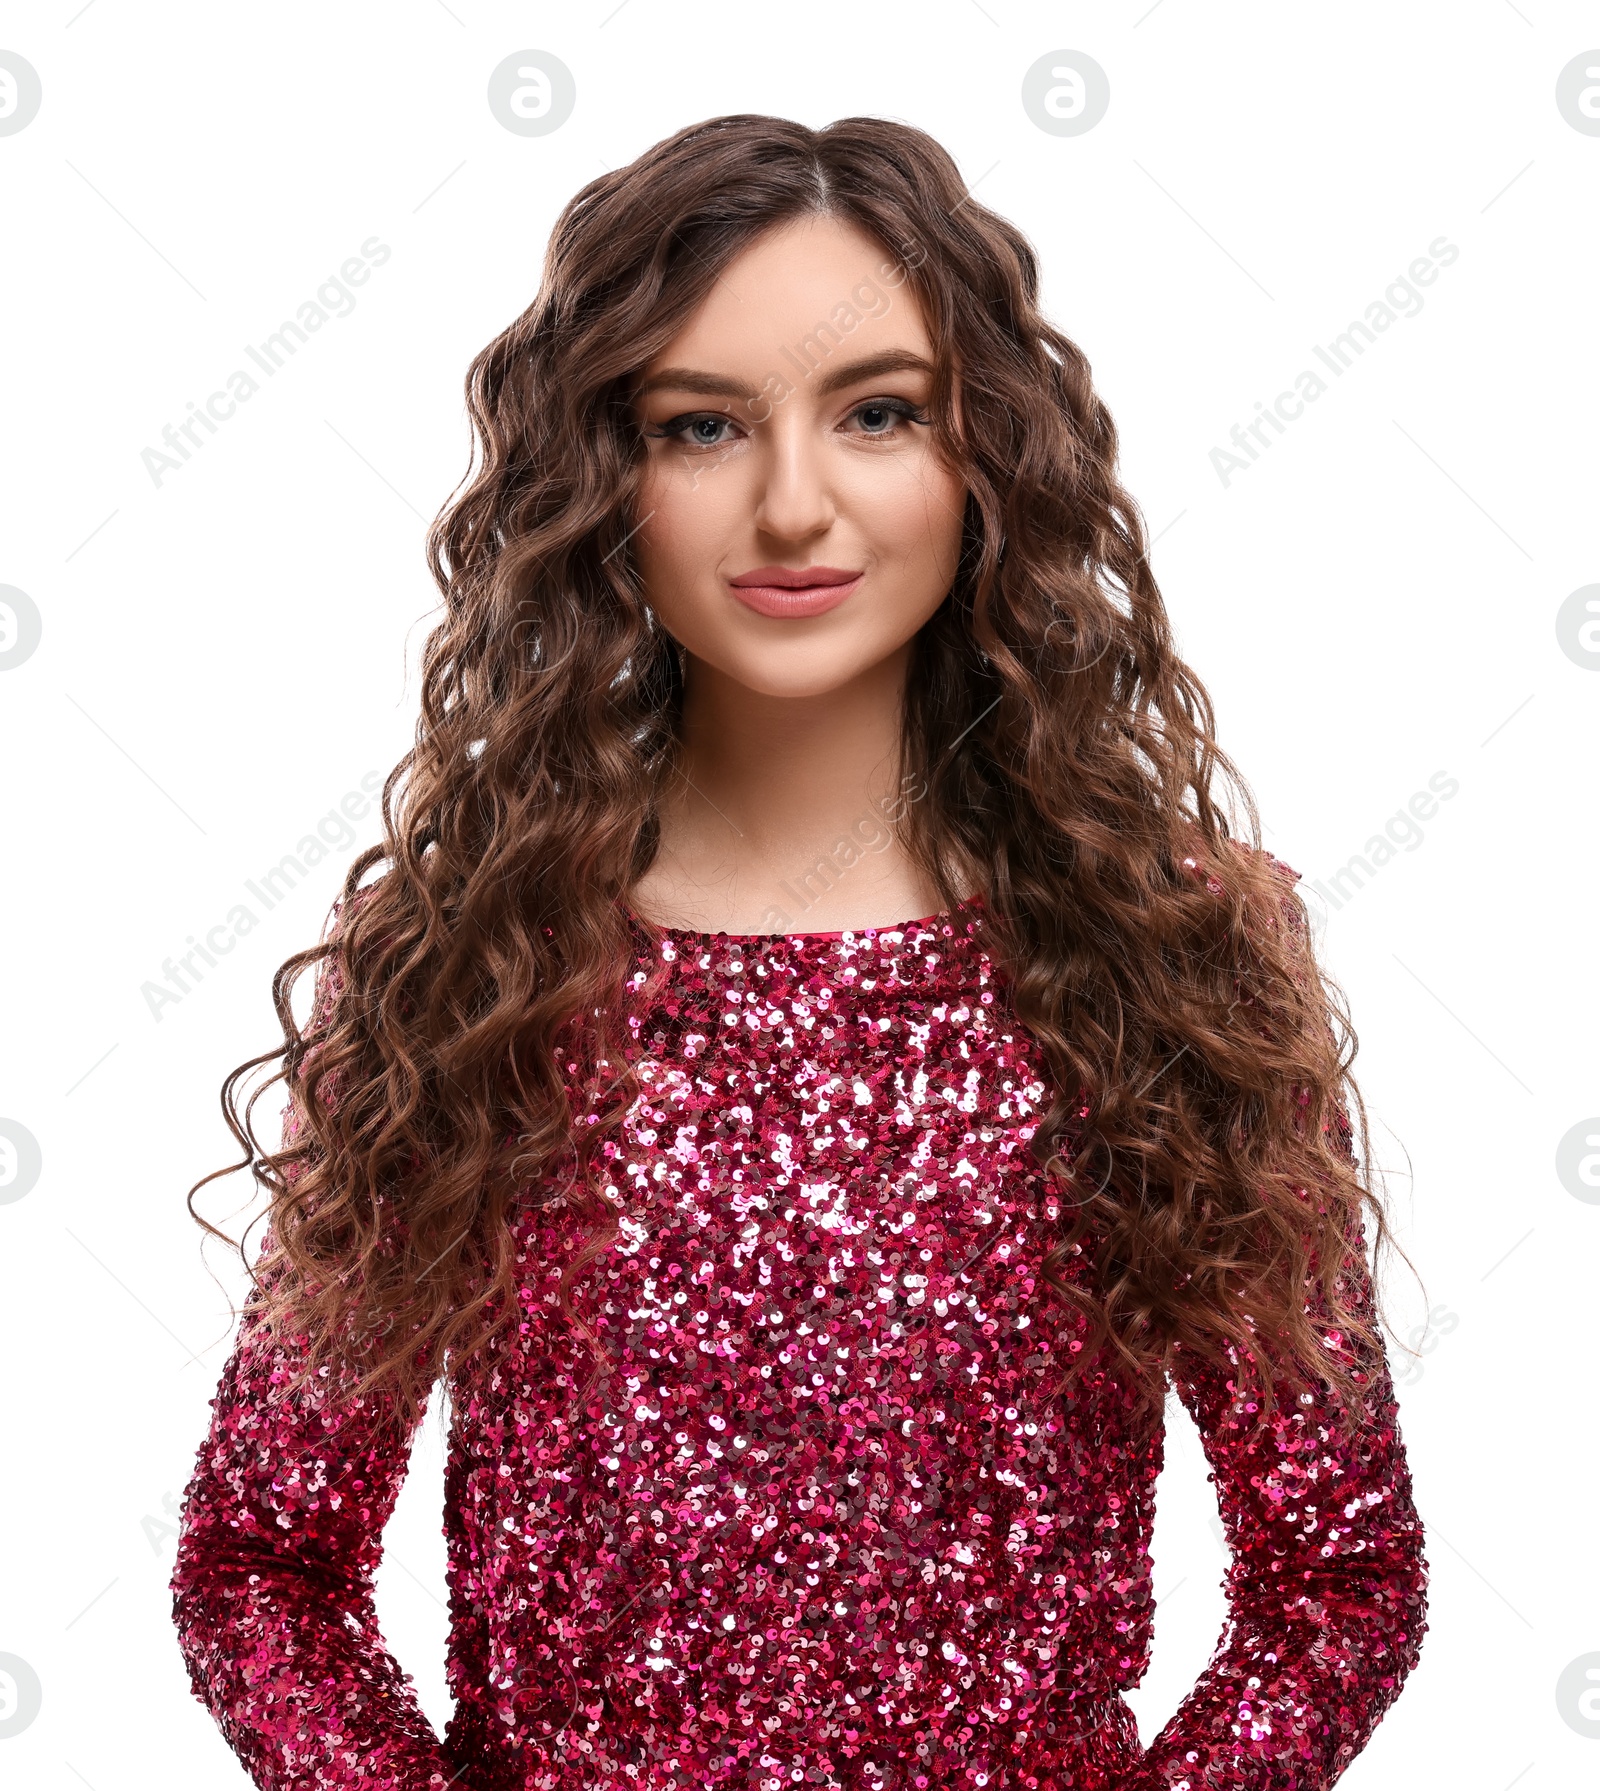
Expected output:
(692, 379)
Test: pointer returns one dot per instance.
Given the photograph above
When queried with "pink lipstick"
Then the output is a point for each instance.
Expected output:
(794, 591)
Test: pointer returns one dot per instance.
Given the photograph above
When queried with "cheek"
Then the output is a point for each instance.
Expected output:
(684, 513)
(948, 504)
(915, 516)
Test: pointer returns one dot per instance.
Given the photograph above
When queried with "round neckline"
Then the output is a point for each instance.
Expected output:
(954, 914)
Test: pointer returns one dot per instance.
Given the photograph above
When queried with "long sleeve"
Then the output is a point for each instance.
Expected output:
(272, 1588)
(280, 1535)
(1327, 1589)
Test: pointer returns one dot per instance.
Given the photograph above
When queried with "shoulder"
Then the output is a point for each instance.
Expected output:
(1258, 886)
(1237, 864)
(332, 973)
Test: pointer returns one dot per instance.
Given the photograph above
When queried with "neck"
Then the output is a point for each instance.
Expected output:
(781, 816)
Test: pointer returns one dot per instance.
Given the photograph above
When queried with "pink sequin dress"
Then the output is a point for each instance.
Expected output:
(825, 1526)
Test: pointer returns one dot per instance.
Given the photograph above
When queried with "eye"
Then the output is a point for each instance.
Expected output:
(889, 408)
(677, 428)
(698, 428)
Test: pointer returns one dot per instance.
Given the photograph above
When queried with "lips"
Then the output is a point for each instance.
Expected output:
(794, 591)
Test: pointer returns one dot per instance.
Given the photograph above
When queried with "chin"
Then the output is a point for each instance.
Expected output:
(796, 675)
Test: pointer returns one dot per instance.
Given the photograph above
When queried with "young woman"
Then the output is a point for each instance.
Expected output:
(806, 1279)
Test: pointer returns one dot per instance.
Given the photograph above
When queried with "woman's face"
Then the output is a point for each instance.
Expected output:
(782, 432)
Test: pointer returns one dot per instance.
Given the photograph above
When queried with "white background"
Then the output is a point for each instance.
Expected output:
(226, 654)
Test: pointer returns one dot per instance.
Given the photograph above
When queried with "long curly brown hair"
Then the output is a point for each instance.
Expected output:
(1198, 1053)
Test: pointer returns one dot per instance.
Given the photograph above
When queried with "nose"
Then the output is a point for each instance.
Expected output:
(795, 501)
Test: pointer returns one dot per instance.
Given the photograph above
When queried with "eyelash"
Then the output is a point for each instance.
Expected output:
(673, 429)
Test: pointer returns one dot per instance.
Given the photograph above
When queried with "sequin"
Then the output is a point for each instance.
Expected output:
(825, 1525)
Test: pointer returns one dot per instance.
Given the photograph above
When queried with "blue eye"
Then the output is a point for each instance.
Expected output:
(894, 407)
(689, 420)
(684, 428)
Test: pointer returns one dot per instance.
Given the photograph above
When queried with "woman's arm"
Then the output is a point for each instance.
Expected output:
(272, 1589)
(1327, 1586)
(1327, 1589)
